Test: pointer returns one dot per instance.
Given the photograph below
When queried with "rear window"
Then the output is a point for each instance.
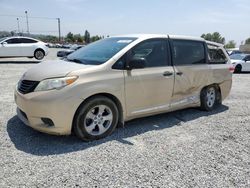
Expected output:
(187, 52)
(216, 55)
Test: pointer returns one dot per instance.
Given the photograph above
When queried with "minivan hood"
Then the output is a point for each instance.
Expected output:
(52, 69)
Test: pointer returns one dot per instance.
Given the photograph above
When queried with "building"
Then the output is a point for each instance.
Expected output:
(245, 48)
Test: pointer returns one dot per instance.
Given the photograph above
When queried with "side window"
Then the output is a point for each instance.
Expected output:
(248, 58)
(187, 52)
(13, 41)
(153, 51)
(24, 40)
(216, 55)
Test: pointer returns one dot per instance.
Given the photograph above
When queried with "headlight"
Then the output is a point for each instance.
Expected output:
(55, 83)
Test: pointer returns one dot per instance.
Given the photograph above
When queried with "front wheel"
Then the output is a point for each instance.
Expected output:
(210, 98)
(96, 119)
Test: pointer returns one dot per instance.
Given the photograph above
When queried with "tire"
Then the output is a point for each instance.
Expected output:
(39, 54)
(210, 98)
(238, 69)
(95, 119)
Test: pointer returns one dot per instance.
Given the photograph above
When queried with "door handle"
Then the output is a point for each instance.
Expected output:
(179, 73)
(167, 73)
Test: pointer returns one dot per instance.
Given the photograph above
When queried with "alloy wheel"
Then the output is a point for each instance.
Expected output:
(211, 97)
(98, 120)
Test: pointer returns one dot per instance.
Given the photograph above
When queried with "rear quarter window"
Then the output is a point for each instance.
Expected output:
(216, 55)
(186, 52)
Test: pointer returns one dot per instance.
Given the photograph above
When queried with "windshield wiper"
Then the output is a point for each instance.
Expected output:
(74, 60)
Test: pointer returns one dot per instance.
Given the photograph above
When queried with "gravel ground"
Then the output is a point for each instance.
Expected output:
(188, 148)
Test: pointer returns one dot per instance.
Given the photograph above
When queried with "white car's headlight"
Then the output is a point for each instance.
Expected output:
(55, 83)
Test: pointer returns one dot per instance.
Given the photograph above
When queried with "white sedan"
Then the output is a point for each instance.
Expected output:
(22, 47)
(241, 62)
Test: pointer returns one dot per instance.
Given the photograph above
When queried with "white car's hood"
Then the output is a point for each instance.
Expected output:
(52, 69)
(236, 61)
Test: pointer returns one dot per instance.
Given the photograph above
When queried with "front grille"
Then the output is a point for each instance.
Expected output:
(27, 86)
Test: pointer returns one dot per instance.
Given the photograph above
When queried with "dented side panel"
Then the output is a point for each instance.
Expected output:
(192, 79)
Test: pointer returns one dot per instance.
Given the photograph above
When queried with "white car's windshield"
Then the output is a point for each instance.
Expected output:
(101, 51)
(238, 56)
(2, 39)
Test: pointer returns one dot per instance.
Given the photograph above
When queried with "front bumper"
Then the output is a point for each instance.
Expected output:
(61, 54)
(48, 104)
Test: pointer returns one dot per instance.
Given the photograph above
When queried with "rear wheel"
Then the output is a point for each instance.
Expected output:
(97, 118)
(210, 98)
(39, 54)
(238, 69)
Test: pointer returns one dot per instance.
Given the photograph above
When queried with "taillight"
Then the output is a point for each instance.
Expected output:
(231, 69)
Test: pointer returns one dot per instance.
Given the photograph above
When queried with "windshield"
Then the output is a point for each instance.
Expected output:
(2, 39)
(101, 51)
(238, 56)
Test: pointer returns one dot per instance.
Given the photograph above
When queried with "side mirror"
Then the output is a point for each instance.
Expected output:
(3, 43)
(137, 63)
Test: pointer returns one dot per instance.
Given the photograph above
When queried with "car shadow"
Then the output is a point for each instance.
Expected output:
(245, 72)
(30, 141)
(19, 62)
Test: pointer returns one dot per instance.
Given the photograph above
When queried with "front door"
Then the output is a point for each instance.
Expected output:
(246, 65)
(149, 89)
(11, 48)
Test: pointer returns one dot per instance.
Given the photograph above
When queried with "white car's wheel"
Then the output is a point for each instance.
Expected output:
(39, 54)
(238, 69)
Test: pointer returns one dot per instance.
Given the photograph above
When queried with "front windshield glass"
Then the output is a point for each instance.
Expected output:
(237, 56)
(101, 51)
(2, 39)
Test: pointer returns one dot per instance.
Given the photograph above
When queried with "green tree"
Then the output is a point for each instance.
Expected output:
(12, 33)
(95, 38)
(78, 38)
(70, 37)
(230, 44)
(214, 37)
(247, 41)
(87, 37)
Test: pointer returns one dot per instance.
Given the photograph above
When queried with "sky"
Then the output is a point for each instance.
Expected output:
(114, 17)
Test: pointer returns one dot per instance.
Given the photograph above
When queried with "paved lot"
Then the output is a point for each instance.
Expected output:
(188, 148)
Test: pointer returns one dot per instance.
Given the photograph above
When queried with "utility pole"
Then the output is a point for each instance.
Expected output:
(18, 27)
(59, 29)
(27, 21)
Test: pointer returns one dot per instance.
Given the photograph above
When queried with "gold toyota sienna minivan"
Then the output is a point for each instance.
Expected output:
(120, 78)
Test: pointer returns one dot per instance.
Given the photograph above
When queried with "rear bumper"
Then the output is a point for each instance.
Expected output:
(225, 88)
(46, 51)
